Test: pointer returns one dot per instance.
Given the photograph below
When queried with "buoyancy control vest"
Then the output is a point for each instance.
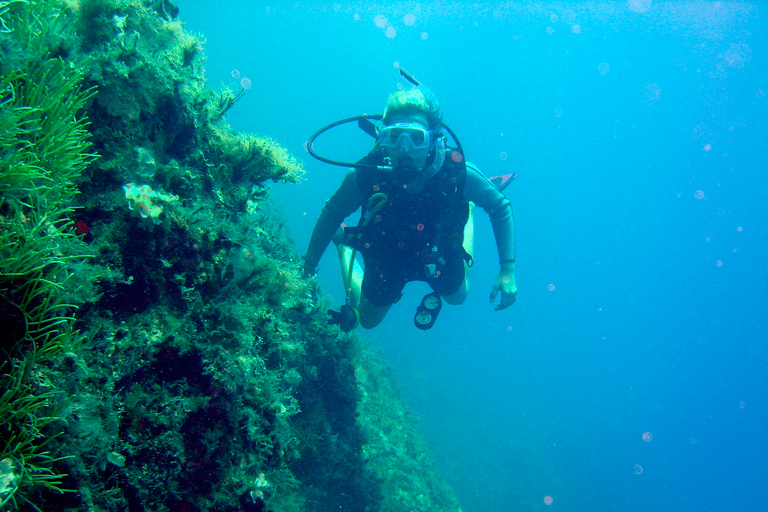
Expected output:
(412, 229)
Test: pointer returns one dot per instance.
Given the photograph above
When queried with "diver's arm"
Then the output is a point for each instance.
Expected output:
(483, 193)
(342, 203)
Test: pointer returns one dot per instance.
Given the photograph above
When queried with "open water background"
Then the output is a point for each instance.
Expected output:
(639, 130)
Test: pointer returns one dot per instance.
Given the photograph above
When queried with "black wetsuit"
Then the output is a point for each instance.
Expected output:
(413, 230)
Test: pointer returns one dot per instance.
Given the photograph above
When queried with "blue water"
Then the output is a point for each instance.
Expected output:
(640, 134)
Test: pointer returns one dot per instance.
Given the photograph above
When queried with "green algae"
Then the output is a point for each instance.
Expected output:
(209, 379)
(44, 147)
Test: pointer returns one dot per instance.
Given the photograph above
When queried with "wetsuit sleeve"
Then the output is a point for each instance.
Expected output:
(345, 201)
(484, 194)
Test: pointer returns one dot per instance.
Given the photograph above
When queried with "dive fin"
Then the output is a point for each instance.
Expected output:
(503, 180)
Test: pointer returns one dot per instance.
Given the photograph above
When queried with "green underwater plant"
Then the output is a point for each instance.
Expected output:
(26, 413)
(43, 150)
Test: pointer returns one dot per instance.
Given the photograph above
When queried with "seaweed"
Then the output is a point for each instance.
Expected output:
(45, 147)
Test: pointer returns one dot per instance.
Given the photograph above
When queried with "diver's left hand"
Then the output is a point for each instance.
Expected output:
(505, 282)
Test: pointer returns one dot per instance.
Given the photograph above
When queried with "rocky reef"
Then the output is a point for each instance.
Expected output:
(160, 349)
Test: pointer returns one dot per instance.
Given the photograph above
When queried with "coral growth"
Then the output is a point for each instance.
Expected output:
(145, 201)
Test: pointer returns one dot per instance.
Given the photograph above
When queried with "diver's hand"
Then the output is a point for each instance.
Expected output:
(505, 282)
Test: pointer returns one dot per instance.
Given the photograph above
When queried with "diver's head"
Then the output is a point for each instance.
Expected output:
(409, 102)
(412, 121)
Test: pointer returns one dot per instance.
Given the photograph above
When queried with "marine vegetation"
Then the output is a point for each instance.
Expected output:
(43, 148)
(164, 351)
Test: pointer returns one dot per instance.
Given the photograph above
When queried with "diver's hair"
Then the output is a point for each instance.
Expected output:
(408, 102)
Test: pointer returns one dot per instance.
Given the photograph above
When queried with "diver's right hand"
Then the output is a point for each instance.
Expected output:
(505, 283)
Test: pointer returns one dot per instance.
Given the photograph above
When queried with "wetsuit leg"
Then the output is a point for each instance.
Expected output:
(460, 295)
(370, 315)
(382, 286)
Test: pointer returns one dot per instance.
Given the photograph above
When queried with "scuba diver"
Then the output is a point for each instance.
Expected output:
(417, 196)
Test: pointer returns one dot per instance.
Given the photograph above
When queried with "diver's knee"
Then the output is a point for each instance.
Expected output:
(370, 315)
(459, 296)
(369, 323)
(456, 299)
(370, 319)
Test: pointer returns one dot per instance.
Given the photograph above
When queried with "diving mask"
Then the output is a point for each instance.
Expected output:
(404, 136)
